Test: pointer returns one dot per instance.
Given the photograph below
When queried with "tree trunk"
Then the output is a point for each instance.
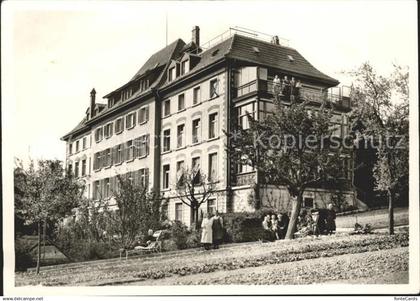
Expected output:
(390, 212)
(38, 262)
(291, 229)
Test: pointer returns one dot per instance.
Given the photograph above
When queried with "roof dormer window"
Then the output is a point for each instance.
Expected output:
(290, 58)
(185, 67)
(172, 73)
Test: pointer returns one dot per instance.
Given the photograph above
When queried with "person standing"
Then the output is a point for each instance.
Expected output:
(330, 222)
(276, 87)
(207, 231)
(218, 231)
(283, 225)
(275, 226)
(292, 89)
(286, 87)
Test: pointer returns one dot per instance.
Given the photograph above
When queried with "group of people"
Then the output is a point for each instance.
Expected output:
(212, 231)
(288, 88)
(317, 221)
(275, 226)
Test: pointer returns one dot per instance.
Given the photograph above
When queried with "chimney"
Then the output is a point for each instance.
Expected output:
(196, 35)
(92, 102)
(275, 40)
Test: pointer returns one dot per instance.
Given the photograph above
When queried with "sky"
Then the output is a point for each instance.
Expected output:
(54, 53)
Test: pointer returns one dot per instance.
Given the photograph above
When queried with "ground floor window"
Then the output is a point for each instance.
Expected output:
(308, 202)
(178, 212)
(211, 206)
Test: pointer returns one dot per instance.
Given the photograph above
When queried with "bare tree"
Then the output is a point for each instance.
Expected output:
(193, 189)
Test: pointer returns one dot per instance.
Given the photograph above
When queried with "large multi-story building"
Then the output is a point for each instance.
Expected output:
(173, 113)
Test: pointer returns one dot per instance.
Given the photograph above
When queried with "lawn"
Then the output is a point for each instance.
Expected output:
(377, 218)
(230, 260)
(376, 267)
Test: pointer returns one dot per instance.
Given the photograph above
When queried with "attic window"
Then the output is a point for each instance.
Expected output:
(256, 50)
(291, 59)
(215, 52)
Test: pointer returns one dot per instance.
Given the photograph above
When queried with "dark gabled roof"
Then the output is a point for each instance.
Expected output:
(243, 49)
(160, 58)
(275, 56)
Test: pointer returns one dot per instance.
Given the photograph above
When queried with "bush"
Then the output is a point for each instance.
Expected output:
(79, 247)
(245, 226)
(23, 257)
(179, 233)
(193, 239)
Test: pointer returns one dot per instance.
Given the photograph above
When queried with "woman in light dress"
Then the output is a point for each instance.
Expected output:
(207, 231)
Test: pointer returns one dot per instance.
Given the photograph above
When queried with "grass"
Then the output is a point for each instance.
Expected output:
(233, 258)
(377, 218)
(376, 267)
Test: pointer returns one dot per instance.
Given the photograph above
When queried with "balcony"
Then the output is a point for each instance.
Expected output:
(244, 179)
(339, 95)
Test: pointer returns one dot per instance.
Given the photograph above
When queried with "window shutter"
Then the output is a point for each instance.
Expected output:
(146, 113)
(147, 144)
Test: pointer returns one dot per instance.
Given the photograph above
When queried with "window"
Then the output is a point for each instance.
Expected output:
(126, 94)
(77, 146)
(213, 167)
(172, 74)
(184, 67)
(167, 107)
(84, 142)
(70, 169)
(107, 188)
(119, 125)
(144, 115)
(130, 120)
(119, 154)
(96, 190)
(211, 206)
(166, 140)
(98, 134)
(143, 146)
(196, 131)
(212, 125)
(243, 111)
(70, 148)
(178, 212)
(165, 173)
(308, 202)
(196, 170)
(107, 157)
(214, 88)
(97, 161)
(83, 167)
(108, 130)
(130, 150)
(180, 135)
(180, 167)
(196, 95)
(181, 102)
(144, 177)
(76, 169)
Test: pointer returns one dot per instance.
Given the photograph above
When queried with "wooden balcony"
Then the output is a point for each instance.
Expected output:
(264, 88)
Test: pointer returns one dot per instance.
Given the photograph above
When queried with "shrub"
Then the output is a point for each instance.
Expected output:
(193, 239)
(244, 226)
(179, 233)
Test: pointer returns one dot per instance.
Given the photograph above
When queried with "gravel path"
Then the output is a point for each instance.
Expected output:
(378, 267)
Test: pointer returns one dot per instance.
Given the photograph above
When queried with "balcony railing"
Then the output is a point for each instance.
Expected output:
(338, 95)
(245, 179)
